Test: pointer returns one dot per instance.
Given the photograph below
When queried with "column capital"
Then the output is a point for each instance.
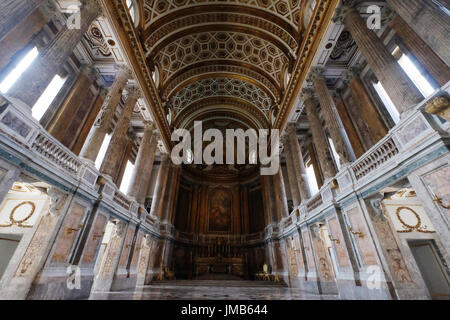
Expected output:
(345, 7)
(94, 6)
(157, 134)
(315, 73)
(133, 91)
(149, 125)
(103, 92)
(291, 127)
(88, 71)
(307, 93)
(351, 73)
(123, 71)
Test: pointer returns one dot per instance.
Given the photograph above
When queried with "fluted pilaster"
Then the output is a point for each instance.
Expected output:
(161, 182)
(148, 168)
(102, 123)
(331, 116)
(299, 164)
(280, 194)
(118, 140)
(319, 137)
(366, 108)
(169, 192)
(138, 175)
(292, 177)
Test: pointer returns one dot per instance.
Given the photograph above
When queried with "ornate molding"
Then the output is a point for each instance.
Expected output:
(439, 106)
(312, 38)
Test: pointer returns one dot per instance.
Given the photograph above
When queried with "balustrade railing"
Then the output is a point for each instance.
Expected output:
(374, 159)
(56, 153)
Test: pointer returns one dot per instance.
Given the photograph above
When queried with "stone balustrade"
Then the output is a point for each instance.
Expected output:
(52, 150)
(22, 133)
(375, 158)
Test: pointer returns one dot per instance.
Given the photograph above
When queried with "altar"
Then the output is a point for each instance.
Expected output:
(219, 265)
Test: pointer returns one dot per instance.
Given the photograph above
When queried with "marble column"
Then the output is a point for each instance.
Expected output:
(102, 124)
(319, 137)
(18, 38)
(429, 21)
(119, 139)
(366, 108)
(138, 175)
(280, 195)
(292, 177)
(72, 103)
(161, 182)
(332, 120)
(37, 77)
(402, 91)
(14, 12)
(147, 174)
(299, 164)
(422, 52)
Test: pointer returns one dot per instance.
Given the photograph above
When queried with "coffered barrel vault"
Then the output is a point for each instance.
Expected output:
(210, 53)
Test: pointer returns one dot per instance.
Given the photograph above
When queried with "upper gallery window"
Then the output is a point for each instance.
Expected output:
(16, 72)
(390, 106)
(336, 157)
(102, 152)
(312, 180)
(413, 72)
(47, 97)
(133, 9)
(126, 180)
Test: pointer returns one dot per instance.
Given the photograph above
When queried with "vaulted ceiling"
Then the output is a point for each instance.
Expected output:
(212, 56)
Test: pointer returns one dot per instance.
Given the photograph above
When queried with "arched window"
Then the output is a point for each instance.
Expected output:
(133, 9)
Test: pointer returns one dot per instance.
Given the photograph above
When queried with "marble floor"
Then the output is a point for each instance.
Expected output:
(212, 290)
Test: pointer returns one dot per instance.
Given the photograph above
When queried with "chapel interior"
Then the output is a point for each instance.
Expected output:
(93, 207)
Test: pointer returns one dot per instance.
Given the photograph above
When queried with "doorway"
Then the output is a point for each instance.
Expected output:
(433, 271)
(8, 245)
